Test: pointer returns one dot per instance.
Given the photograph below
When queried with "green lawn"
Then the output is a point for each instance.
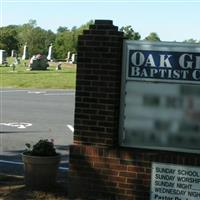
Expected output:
(23, 78)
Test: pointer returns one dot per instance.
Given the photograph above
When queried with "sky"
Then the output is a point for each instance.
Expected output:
(172, 20)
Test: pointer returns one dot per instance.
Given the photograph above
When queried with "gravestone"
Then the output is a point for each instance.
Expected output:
(3, 57)
(13, 53)
(25, 55)
(16, 61)
(13, 66)
(59, 66)
(50, 53)
(74, 58)
(68, 56)
(38, 62)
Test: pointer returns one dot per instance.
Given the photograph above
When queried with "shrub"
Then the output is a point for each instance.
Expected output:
(41, 148)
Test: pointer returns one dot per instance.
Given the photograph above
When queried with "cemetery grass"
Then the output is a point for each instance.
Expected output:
(48, 79)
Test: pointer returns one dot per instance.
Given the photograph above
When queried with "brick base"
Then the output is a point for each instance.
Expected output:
(116, 173)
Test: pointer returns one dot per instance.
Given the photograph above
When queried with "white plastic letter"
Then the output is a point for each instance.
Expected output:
(137, 59)
(135, 71)
(196, 74)
(164, 61)
(185, 64)
(150, 61)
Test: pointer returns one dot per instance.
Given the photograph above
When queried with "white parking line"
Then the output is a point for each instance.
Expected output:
(36, 92)
(58, 94)
(20, 163)
(44, 92)
(11, 162)
(2, 91)
(71, 128)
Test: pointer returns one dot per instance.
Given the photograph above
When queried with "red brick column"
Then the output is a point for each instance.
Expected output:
(99, 167)
(98, 84)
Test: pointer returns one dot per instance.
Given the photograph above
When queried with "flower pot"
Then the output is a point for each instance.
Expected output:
(40, 172)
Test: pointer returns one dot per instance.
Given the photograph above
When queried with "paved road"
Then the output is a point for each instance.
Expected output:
(30, 115)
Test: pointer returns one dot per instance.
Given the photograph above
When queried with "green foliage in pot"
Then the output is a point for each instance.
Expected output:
(41, 148)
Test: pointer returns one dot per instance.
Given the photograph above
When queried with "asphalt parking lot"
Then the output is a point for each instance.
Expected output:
(30, 115)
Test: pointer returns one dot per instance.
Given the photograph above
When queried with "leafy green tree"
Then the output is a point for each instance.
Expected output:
(152, 37)
(37, 39)
(84, 27)
(32, 23)
(67, 40)
(50, 37)
(191, 40)
(129, 33)
(62, 29)
(8, 39)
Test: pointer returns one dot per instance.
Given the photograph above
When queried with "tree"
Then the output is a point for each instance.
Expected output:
(129, 33)
(67, 40)
(8, 39)
(49, 37)
(152, 37)
(32, 23)
(84, 26)
(37, 39)
(62, 29)
(191, 40)
(64, 42)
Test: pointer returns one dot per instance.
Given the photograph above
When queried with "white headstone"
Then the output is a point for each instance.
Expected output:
(59, 66)
(25, 52)
(3, 57)
(73, 59)
(49, 57)
(16, 61)
(13, 53)
(68, 56)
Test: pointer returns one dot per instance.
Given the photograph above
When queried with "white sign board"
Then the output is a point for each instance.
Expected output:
(175, 182)
(160, 96)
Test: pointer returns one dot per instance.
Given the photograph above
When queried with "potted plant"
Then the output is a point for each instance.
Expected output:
(41, 162)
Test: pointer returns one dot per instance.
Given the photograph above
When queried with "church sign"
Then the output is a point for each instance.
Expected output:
(160, 101)
(164, 66)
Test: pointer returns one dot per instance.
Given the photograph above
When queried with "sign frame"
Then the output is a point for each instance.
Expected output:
(150, 46)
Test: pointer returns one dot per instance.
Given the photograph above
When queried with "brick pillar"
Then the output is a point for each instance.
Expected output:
(98, 84)
(97, 95)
